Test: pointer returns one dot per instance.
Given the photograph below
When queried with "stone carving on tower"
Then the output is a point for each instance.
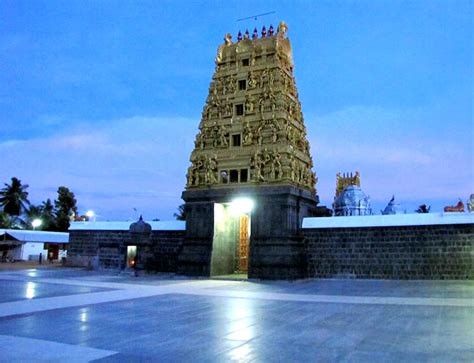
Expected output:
(252, 128)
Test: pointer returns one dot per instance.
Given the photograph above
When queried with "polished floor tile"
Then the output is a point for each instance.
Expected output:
(113, 318)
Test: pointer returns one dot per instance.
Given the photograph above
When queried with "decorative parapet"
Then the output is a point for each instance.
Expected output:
(414, 219)
(125, 226)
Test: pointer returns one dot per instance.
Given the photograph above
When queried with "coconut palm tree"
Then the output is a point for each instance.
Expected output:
(14, 197)
(181, 215)
(6, 221)
(48, 216)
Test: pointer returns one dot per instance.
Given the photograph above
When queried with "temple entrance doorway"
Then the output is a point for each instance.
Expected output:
(131, 257)
(231, 242)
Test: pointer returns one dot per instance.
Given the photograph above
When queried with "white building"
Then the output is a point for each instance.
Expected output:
(26, 245)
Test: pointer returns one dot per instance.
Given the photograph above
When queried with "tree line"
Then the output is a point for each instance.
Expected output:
(17, 212)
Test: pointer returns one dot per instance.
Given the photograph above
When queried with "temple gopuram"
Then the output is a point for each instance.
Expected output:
(250, 182)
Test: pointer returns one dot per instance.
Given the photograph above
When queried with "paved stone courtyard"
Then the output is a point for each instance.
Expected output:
(60, 314)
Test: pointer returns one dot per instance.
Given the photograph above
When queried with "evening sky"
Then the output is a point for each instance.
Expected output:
(105, 97)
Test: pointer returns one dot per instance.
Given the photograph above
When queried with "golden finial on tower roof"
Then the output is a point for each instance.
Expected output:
(228, 39)
(270, 31)
(282, 29)
(255, 34)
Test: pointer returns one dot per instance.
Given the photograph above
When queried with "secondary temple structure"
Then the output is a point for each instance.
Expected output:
(350, 200)
(250, 183)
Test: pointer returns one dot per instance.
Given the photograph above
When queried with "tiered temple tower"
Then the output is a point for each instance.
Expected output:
(251, 143)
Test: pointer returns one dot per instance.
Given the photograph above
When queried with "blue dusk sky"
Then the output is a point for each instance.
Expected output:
(105, 97)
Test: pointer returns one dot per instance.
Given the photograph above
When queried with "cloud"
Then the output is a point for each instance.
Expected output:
(140, 162)
(137, 162)
(399, 152)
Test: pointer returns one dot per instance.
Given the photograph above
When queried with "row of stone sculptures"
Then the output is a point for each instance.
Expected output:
(264, 33)
(263, 79)
(265, 165)
(277, 58)
(281, 31)
(265, 132)
(216, 109)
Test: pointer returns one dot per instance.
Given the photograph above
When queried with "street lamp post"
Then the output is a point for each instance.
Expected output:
(90, 214)
(36, 223)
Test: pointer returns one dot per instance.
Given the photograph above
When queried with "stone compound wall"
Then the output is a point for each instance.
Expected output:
(400, 247)
(106, 249)
(444, 251)
(166, 247)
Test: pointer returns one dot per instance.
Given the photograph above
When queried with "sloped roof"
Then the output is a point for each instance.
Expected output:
(36, 236)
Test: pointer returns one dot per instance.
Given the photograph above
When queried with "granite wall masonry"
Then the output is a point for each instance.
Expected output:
(380, 247)
(106, 249)
(397, 252)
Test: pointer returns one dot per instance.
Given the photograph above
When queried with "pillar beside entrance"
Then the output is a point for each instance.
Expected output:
(195, 256)
(276, 248)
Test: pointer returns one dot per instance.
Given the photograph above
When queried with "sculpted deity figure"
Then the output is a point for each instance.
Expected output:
(252, 81)
(271, 79)
(357, 178)
(266, 156)
(470, 203)
(279, 167)
(214, 88)
(231, 84)
(212, 168)
(249, 105)
(248, 134)
(271, 98)
(274, 134)
(200, 140)
(256, 163)
(306, 147)
(216, 104)
(228, 39)
(263, 78)
(261, 105)
(194, 172)
(291, 135)
(217, 85)
(290, 109)
(259, 134)
(214, 133)
(228, 109)
(190, 177)
(292, 167)
(223, 137)
(276, 167)
(206, 112)
(282, 30)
